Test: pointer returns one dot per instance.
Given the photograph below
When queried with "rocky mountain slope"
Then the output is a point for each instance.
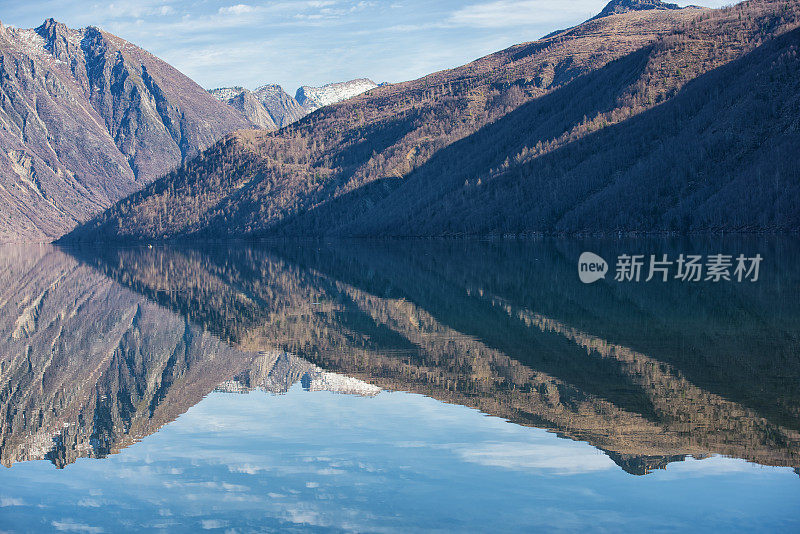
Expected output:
(283, 109)
(86, 118)
(271, 108)
(537, 138)
(246, 103)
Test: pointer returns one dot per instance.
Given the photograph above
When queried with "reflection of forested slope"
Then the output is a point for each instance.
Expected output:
(494, 327)
(88, 367)
(738, 340)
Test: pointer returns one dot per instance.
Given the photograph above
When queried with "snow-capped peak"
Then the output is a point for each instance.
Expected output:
(313, 98)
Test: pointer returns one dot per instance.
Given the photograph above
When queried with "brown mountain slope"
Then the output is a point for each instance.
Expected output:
(335, 166)
(253, 181)
(719, 156)
(87, 118)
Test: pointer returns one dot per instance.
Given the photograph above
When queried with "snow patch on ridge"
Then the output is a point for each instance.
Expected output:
(313, 98)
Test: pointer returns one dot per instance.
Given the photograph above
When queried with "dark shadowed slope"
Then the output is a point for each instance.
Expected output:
(87, 118)
(718, 156)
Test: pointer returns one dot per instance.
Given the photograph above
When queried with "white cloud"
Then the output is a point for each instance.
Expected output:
(562, 459)
(10, 501)
(211, 524)
(506, 13)
(718, 465)
(68, 525)
(238, 9)
(246, 469)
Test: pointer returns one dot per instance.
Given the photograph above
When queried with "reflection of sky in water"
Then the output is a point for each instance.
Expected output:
(395, 462)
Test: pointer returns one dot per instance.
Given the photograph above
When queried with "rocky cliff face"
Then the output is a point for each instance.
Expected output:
(283, 109)
(313, 98)
(247, 104)
(268, 107)
(88, 367)
(87, 118)
(277, 371)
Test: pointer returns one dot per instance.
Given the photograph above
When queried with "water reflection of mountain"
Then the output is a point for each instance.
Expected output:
(88, 367)
(649, 373)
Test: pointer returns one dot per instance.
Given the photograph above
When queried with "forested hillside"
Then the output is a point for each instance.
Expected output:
(719, 156)
(647, 120)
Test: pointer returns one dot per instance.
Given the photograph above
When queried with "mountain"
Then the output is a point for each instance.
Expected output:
(86, 118)
(679, 119)
(283, 109)
(271, 108)
(268, 107)
(313, 98)
(247, 104)
(718, 156)
(618, 7)
(255, 181)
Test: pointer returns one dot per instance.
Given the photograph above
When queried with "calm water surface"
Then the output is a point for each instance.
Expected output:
(396, 387)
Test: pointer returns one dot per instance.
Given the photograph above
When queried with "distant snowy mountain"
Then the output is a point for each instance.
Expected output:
(313, 98)
(276, 372)
(271, 108)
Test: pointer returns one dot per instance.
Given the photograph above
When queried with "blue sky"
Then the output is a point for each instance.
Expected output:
(312, 42)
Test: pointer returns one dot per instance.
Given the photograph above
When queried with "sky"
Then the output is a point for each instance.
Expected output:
(312, 42)
(397, 462)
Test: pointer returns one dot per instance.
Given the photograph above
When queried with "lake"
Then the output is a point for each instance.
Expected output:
(401, 386)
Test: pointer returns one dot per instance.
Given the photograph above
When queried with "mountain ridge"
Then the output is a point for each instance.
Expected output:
(619, 7)
(272, 108)
(386, 162)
